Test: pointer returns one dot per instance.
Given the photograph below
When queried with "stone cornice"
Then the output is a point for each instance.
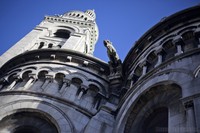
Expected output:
(61, 56)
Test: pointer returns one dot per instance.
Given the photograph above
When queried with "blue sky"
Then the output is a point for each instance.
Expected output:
(121, 21)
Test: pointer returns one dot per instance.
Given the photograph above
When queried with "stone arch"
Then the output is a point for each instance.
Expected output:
(71, 28)
(76, 81)
(59, 77)
(190, 40)
(30, 67)
(42, 73)
(138, 71)
(15, 71)
(45, 67)
(66, 71)
(169, 49)
(99, 85)
(50, 111)
(80, 76)
(170, 37)
(152, 59)
(155, 98)
(186, 29)
(165, 78)
(25, 74)
(12, 77)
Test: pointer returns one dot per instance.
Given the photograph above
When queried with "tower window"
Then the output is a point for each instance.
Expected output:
(41, 45)
(50, 45)
(62, 33)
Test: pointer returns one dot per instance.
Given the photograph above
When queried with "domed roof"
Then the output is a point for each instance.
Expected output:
(79, 15)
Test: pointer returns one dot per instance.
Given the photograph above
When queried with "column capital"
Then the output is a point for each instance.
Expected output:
(67, 81)
(188, 104)
(31, 75)
(159, 51)
(49, 76)
(177, 40)
(144, 63)
(82, 86)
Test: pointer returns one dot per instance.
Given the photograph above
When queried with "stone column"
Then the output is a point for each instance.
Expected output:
(159, 53)
(32, 77)
(11, 86)
(190, 117)
(134, 78)
(144, 68)
(177, 41)
(83, 90)
(48, 79)
(2, 83)
(98, 101)
(80, 94)
(66, 83)
(29, 82)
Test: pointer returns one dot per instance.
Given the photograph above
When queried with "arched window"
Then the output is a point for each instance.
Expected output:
(61, 33)
(42, 75)
(59, 78)
(190, 41)
(41, 45)
(152, 60)
(169, 49)
(138, 71)
(50, 45)
(25, 75)
(77, 82)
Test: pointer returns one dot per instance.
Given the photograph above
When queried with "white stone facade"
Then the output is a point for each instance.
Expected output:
(53, 83)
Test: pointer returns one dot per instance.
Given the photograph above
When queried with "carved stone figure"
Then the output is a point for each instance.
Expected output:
(114, 63)
(112, 53)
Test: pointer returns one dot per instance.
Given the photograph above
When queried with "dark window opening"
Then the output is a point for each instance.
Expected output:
(42, 75)
(62, 34)
(27, 122)
(138, 71)
(50, 45)
(170, 50)
(41, 45)
(190, 41)
(156, 122)
(152, 59)
(26, 129)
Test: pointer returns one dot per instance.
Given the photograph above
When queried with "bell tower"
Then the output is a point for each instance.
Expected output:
(51, 78)
(74, 30)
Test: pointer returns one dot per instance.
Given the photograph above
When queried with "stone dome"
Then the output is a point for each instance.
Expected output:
(88, 15)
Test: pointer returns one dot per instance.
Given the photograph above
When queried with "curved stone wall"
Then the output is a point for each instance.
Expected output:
(74, 84)
(162, 78)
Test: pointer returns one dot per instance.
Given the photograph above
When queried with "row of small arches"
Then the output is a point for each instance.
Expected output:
(78, 16)
(168, 49)
(68, 21)
(74, 78)
(48, 45)
(185, 34)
